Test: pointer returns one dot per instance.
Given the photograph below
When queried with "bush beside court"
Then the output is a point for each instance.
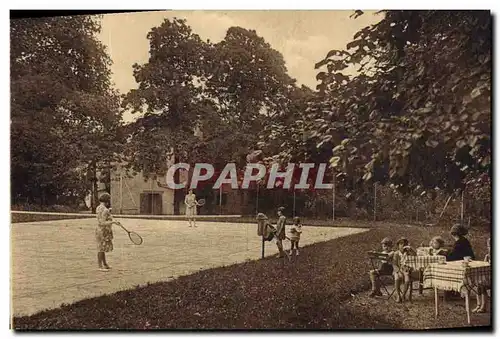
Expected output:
(325, 289)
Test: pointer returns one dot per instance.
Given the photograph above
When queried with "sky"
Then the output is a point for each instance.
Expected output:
(302, 37)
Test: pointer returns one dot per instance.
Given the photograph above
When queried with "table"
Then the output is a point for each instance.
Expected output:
(453, 276)
(419, 262)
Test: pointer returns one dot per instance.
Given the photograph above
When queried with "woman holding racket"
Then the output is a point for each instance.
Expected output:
(103, 232)
(190, 201)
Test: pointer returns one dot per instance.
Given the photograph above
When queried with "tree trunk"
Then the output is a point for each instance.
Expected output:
(93, 179)
(95, 198)
(177, 193)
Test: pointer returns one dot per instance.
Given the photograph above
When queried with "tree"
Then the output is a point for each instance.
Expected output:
(169, 95)
(61, 104)
(250, 84)
(202, 101)
(418, 109)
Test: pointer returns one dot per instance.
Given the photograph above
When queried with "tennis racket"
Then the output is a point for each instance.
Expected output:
(200, 202)
(134, 237)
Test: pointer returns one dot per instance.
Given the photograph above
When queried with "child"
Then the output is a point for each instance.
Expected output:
(280, 232)
(384, 269)
(437, 246)
(482, 290)
(402, 274)
(488, 255)
(295, 232)
(462, 247)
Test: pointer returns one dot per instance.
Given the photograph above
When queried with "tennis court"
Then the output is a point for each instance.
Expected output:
(54, 262)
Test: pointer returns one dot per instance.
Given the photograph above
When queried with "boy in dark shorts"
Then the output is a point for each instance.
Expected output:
(280, 232)
(385, 268)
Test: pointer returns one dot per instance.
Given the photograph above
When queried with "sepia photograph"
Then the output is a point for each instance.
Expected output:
(251, 170)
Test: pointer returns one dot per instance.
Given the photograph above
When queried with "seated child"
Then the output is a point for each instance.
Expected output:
(402, 274)
(482, 290)
(385, 268)
(295, 232)
(437, 246)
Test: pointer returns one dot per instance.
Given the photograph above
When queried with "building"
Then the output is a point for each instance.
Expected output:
(137, 195)
(133, 194)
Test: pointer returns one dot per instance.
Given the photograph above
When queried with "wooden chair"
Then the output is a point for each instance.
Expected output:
(378, 257)
(420, 280)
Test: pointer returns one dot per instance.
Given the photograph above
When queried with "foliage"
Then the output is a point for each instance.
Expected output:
(169, 95)
(251, 85)
(202, 101)
(418, 110)
(416, 113)
(64, 114)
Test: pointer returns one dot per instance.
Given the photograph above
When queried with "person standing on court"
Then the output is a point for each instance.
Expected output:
(190, 201)
(280, 231)
(104, 232)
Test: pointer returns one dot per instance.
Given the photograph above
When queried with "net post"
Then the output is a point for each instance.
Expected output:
(333, 197)
(462, 208)
(121, 191)
(263, 245)
(220, 200)
(257, 199)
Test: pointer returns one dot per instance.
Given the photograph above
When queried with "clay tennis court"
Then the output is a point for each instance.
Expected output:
(54, 262)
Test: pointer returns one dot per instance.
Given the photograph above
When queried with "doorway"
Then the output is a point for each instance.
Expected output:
(151, 203)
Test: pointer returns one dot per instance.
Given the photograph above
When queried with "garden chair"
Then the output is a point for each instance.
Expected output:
(378, 257)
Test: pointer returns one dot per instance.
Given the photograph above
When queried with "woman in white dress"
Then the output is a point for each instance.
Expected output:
(190, 201)
(104, 231)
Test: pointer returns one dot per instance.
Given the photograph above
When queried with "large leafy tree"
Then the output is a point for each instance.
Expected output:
(64, 113)
(169, 96)
(418, 110)
(202, 101)
(249, 82)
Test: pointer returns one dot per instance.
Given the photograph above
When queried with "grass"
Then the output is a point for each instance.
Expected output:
(325, 289)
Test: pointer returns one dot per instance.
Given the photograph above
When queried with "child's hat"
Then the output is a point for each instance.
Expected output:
(387, 241)
(402, 240)
(281, 209)
(296, 219)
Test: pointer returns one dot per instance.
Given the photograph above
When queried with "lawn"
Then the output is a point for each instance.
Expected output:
(325, 289)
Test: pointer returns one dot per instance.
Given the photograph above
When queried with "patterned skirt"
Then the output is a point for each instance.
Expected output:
(191, 211)
(104, 238)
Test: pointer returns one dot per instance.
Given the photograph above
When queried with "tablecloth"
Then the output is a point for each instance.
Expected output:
(453, 276)
(422, 261)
